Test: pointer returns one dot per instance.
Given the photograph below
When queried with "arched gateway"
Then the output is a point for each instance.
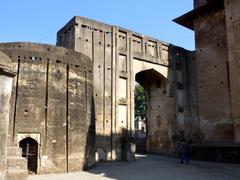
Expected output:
(158, 107)
(118, 56)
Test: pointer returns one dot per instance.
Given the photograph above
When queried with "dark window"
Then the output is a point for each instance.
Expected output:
(180, 85)
(158, 83)
(180, 109)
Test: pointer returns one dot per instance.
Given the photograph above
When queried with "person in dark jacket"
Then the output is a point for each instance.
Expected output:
(183, 149)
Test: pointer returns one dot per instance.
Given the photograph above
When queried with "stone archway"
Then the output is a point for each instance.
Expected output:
(157, 118)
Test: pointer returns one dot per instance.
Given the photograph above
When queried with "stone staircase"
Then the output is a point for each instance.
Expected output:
(16, 165)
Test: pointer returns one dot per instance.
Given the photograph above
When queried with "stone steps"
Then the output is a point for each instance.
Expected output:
(13, 174)
(16, 165)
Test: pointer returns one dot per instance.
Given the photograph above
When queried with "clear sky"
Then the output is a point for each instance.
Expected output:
(39, 20)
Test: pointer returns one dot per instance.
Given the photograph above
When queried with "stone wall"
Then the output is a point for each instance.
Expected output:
(216, 26)
(233, 36)
(5, 94)
(212, 77)
(12, 165)
(52, 104)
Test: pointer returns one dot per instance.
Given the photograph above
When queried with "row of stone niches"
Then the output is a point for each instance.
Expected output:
(153, 48)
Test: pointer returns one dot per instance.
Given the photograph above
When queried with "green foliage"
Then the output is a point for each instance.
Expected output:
(140, 101)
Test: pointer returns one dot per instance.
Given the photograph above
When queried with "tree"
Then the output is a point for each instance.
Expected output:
(140, 102)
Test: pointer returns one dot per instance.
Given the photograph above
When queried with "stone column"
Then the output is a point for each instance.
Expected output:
(6, 77)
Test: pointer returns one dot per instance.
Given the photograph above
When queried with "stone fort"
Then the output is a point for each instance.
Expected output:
(66, 107)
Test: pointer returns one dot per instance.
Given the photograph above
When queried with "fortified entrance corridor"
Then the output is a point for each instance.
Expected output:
(155, 115)
(140, 114)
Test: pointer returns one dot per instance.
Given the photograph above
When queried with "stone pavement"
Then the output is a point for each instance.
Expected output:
(152, 167)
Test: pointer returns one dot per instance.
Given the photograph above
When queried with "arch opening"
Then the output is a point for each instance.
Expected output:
(30, 152)
(151, 125)
(140, 117)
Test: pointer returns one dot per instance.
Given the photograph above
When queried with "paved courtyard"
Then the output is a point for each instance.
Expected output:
(152, 167)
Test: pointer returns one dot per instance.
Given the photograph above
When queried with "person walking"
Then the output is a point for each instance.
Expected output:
(183, 148)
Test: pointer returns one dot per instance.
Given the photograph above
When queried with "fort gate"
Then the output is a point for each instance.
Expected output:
(120, 57)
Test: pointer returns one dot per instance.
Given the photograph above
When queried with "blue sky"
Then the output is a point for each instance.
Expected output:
(39, 20)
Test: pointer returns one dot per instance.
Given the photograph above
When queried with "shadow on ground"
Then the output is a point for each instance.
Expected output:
(155, 167)
(151, 167)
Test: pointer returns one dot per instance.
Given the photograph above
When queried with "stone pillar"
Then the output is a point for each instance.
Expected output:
(6, 77)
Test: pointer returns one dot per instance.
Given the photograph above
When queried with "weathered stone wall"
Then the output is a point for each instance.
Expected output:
(5, 94)
(214, 107)
(216, 26)
(186, 97)
(192, 129)
(52, 103)
(12, 165)
(233, 38)
(118, 55)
